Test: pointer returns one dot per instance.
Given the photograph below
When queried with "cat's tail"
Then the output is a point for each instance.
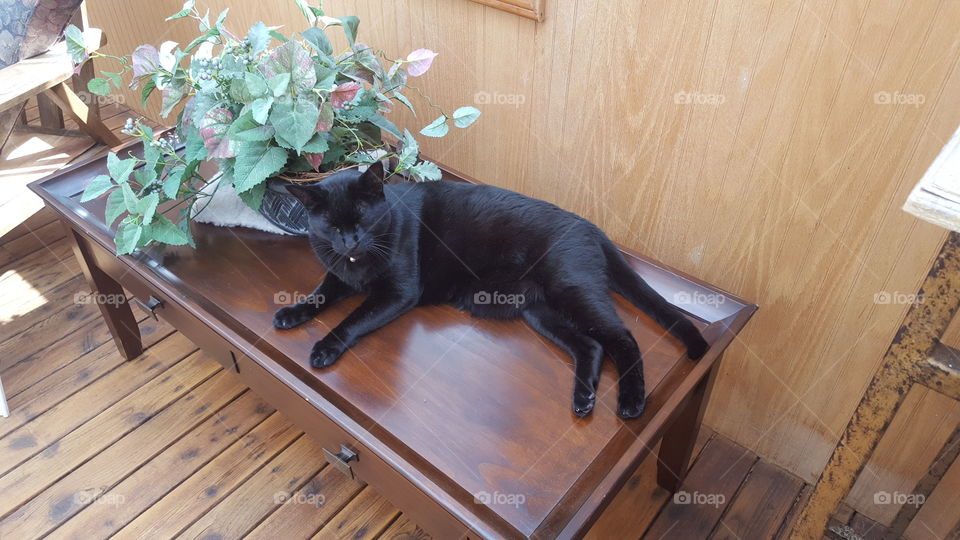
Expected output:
(626, 282)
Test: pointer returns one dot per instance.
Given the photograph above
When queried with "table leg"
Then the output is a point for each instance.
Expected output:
(677, 445)
(111, 299)
(916, 339)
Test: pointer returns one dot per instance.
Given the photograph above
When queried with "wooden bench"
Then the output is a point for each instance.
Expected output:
(464, 424)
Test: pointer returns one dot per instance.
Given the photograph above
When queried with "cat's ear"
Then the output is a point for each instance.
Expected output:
(311, 196)
(371, 181)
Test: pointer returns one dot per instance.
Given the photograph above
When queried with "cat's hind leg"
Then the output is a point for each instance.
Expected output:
(592, 312)
(587, 354)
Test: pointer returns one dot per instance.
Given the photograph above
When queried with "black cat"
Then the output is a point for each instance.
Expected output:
(486, 250)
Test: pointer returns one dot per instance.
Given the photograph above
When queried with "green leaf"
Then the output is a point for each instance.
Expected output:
(128, 234)
(115, 78)
(97, 187)
(381, 122)
(259, 36)
(295, 122)
(409, 152)
(164, 231)
(260, 108)
(464, 116)
(130, 200)
(256, 161)
(426, 170)
(307, 11)
(437, 128)
(248, 89)
(292, 59)
(279, 84)
(318, 144)
(173, 92)
(114, 208)
(253, 197)
(119, 169)
(171, 184)
(278, 36)
(145, 93)
(403, 99)
(316, 37)
(350, 24)
(75, 44)
(195, 150)
(246, 128)
(145, 175)
(206, 36)
(178, 15)
(98, 86)
(147, 207)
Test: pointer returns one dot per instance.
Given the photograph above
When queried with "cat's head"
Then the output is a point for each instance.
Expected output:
(348, 211)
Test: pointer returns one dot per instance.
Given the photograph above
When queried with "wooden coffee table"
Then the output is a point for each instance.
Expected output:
(463, 424)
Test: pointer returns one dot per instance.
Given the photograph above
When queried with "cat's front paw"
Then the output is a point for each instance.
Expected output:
(326, 351)
(290, 317)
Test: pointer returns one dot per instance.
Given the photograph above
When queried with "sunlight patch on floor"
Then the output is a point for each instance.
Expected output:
(18, 296)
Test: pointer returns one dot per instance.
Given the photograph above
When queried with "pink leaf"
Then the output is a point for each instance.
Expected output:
(145, 62)
(344, 93)
(418, 62)
(213, 129)
(325, 120)
(314, 159)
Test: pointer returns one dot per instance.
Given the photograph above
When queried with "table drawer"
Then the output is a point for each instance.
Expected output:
(367, 466)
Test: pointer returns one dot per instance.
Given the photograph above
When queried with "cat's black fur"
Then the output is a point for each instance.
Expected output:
(445, 242)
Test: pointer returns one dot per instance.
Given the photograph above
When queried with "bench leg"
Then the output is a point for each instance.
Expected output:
(678, 441)
(117, 314)
(88, 121)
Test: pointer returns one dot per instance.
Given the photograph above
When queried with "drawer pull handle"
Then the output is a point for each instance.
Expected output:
(150, 305)
(342, 459)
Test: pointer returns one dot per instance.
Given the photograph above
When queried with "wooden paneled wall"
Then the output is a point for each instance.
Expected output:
(763, 145)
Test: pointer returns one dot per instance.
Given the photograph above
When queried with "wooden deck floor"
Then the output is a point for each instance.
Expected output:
(170, 445)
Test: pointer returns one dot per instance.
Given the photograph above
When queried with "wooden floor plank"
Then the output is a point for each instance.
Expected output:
(272, 485)
(696, 508)
(53, 389)
(301, 521)
(365, 516)
(34, 240)
(208, 486)
(404, 529)
(798, 503)
(80, 407)
(52, 459)
(147, 483)
(639, 501)
(27, 225)
(176, 408)
(22, 282)
(762, 504)
(56, 299)
(866, 528)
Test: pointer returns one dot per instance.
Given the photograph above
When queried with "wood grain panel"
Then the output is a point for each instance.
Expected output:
(763, 145)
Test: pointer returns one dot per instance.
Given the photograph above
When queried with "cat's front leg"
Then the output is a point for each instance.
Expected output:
(379, 309)
(331, 291)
